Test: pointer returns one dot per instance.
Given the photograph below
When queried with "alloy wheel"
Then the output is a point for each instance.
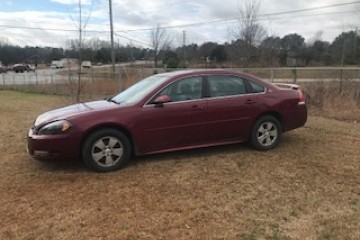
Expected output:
(267, 134)
(107, 151)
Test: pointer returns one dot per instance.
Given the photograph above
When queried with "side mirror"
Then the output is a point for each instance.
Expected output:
(159, 101)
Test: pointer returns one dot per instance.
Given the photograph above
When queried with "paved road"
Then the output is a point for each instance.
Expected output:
(41, 76)
(38, 77)
(52, 76)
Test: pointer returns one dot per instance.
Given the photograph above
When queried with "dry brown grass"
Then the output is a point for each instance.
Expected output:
(333, 99)
(307, 188)
(304, 73)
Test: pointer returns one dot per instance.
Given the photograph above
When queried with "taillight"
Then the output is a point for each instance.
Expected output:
(301, 97)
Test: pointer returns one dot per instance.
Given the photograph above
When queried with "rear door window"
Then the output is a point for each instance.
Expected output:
(225, 86)
(256, 88)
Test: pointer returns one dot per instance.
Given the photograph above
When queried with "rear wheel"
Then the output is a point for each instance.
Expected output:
(266, 133)
(106, 150)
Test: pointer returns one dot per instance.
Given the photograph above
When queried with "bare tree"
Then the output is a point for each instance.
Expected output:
(357, 14)
(248, 31)
(78, 85)
(160, 40)
(4, 41)
(317, 37)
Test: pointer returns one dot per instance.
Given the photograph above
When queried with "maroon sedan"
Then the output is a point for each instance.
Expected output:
(168, 112)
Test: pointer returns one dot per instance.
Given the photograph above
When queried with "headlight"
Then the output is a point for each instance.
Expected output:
(57, 127)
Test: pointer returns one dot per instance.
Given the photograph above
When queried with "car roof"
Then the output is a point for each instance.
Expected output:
(204, 71)
(189, 72)
(215, 71)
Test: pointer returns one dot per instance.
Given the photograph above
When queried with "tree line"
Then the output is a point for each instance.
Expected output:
(290, 50)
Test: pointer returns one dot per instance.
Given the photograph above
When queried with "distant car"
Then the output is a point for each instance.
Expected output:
(57, 64)
(3, 69)
(20, 68)
(168, 112)
(86, 64)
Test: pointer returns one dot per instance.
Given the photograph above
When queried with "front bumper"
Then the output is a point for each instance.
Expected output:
(53, 147)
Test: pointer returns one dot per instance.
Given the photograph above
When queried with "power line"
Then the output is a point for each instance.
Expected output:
(237, 19)
(313, 8)
(262, 17)
(166, 27)
(163, 4)
(132, 39)
(51, 29)
(304, 15)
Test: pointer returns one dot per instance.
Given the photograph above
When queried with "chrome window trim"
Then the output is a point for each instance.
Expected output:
(178, 102)
(236, 95)
(147, 103)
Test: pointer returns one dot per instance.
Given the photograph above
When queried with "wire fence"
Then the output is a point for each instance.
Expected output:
(99, 82)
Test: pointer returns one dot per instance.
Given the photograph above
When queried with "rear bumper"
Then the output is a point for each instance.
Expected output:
(296, 118)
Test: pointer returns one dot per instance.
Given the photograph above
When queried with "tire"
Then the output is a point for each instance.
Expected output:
(266, 133)
(106, 150)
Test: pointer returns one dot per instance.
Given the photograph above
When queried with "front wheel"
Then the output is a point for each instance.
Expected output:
(106, 150)
(266, 133)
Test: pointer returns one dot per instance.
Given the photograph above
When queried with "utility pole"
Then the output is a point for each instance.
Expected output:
(184, 46)
(78, 90)
(112, 36)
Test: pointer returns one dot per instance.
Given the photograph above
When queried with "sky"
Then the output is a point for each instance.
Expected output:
(52, 23)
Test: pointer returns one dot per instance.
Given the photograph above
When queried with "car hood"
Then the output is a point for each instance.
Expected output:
(69, 111)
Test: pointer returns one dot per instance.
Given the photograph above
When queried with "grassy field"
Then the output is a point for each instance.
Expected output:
(307, 188)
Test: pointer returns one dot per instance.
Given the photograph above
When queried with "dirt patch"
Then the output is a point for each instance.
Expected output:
(307, 188)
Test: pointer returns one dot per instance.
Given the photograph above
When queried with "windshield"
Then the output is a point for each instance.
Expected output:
(139, 90)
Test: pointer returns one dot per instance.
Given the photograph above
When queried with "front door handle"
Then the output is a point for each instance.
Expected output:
(197, 107)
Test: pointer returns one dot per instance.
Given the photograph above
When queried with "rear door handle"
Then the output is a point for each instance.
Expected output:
(249, 101)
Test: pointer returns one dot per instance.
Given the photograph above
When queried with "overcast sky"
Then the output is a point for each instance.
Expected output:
(53, 22)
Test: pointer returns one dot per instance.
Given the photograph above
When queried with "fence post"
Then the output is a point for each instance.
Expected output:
(52, 83)
(121, 85)
(341, 79)
(272, 75)
(294, 71)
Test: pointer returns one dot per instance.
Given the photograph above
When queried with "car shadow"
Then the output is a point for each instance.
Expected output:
(192, 153)
(287, 141)
(77, 166)
(67, 166)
